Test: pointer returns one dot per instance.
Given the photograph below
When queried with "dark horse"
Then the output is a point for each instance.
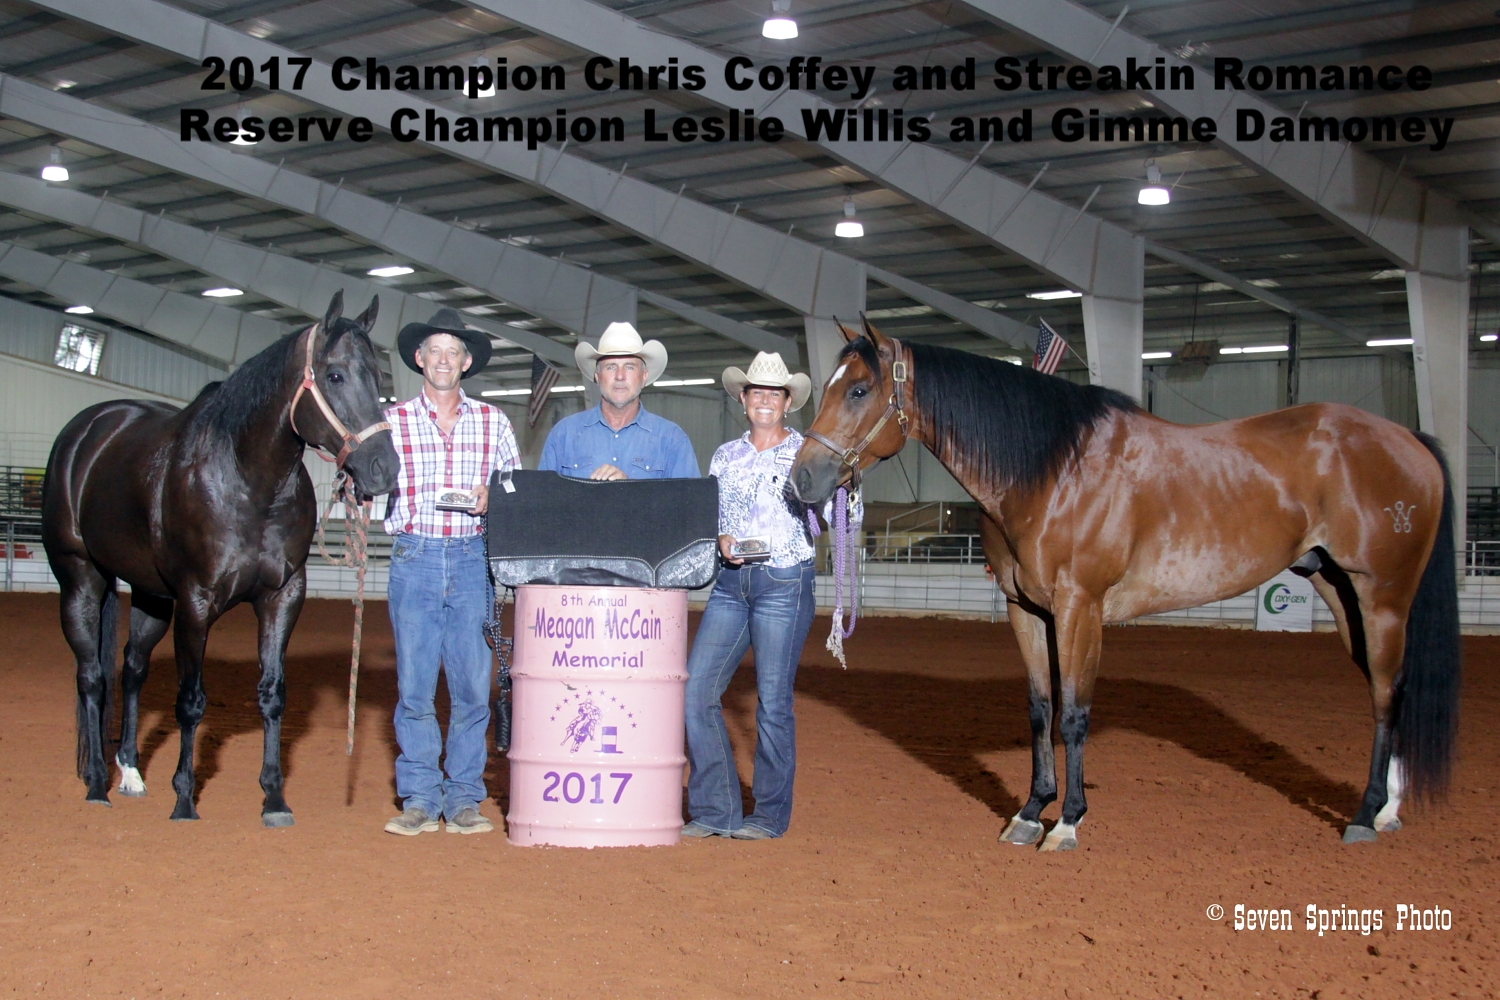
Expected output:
(1099, 512)
(202, 508)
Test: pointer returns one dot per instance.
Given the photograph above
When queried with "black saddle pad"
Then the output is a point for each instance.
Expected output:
(632, 533)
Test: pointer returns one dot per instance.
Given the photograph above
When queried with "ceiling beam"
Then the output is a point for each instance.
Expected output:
(208, 327)
(1386, 210)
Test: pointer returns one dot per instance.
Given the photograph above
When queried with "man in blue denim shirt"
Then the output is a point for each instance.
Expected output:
(619, 439)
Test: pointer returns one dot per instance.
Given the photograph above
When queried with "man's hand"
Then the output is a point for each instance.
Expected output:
(724, 542)
(607, 471)
(483, 495)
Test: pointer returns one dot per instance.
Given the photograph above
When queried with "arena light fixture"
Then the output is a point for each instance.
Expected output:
(80, 310)
(1389, 342)
(849, 227)
(506, 392)
(390, 271)
(55, 171)
(1256, 349)
(488, 91)
(1062, 293)
(222, 293)
(779, 25)
(683, 381)
(1155, 355)
(1154, 193)
(1489, 338)
(239, 137)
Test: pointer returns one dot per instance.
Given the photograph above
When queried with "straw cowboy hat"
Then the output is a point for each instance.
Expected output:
(443, 321)
(768, 371)
(620, 340)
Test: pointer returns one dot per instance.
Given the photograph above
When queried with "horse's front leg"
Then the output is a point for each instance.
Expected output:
(1025, 827)
(277, 611)
(149, 618)
(195, 613)
(1079, 625)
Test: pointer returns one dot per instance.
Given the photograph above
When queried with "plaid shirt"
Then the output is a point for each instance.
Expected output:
(480, 442)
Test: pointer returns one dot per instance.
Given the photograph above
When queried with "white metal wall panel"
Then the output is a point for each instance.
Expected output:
(29, 332)
(1227, 390)
(155, 367)
(36, 402)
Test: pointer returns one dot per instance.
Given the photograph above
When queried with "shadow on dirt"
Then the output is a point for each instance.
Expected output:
(948, 724)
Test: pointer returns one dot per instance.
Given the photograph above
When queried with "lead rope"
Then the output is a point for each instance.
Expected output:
(356, 555)
(845, 563)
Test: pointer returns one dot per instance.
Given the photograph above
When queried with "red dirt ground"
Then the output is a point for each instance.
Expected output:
(1221, 766)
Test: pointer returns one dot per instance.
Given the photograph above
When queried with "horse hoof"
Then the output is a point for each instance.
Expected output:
(276, 820)
(131, 793)
(183, 814)
(1359, 835)
(100, 800)
(1062, 838)
(1021, 832)
(1387, 825)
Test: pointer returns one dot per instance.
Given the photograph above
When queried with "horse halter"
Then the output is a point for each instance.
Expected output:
(894, 407)
(310, 386)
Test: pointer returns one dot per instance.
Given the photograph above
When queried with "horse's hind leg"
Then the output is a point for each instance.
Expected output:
(88, 610)
(277, 612)
(190, 635)
(149, 618)
(1025, 827)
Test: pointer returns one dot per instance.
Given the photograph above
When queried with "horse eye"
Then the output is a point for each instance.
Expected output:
(858, 392)
(336, 378)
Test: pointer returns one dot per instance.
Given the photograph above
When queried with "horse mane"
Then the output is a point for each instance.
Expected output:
(1014, 426)
(229, 408)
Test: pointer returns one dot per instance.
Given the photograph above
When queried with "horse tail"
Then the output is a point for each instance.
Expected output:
(109, 613)
(1426, 697)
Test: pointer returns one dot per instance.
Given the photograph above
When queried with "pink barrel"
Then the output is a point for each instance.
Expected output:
(596, 750)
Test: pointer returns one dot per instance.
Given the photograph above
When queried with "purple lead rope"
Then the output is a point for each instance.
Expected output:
(845, 562)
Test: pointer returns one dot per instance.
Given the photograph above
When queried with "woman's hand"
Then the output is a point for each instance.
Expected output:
(725, 541)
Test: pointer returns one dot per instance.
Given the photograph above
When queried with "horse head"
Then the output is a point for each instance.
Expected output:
(341, 390)
(854, 429)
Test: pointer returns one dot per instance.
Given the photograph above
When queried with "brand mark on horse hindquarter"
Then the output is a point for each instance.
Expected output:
(1401, 517)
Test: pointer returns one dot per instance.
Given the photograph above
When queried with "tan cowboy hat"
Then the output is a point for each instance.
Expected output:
(620, 340)
(768, 371)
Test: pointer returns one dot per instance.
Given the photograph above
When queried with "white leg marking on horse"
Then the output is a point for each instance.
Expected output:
(131, 782)
(1063, 837)
(1386, 820)
(1023, 832)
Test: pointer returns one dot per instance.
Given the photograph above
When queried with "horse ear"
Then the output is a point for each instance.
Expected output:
(881, 342)
(335, 310)
(366, 319)
(849, 335)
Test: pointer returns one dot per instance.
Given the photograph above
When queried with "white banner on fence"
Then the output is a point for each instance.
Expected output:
(1284, 603)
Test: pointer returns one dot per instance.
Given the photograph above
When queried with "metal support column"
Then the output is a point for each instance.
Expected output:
(1293, 361)
(1439, 307)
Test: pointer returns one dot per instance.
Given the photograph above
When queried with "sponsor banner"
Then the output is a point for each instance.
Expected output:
(1284, 603)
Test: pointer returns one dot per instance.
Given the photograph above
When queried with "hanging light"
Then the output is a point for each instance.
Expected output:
(239, 138)
(849, 227)
(779, 26)
(55, 171)
(1153, 193)
(80, 310)
(489, 89)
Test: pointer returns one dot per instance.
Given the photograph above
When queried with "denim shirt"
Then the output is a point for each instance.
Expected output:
(649, 447)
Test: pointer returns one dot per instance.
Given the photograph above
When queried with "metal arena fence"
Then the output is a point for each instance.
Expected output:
(904, 572)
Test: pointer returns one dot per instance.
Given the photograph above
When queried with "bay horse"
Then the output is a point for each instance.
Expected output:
(1097, 512)
(199, 509)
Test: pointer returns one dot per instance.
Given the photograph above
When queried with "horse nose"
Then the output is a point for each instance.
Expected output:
(802, 483)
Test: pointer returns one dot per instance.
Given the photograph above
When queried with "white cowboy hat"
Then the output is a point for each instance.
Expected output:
(770, 371)
(621, 340)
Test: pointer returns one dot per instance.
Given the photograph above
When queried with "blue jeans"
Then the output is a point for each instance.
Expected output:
(770, 609)
(439, 597)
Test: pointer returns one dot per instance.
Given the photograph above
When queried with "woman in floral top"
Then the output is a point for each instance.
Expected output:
(763, 601)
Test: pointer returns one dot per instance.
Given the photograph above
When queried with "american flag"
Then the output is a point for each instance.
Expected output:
(1050, 349)
(543, 378)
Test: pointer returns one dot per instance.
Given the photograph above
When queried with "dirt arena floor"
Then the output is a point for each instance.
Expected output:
(1222, 766)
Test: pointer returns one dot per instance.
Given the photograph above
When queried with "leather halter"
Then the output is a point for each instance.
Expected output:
(310, 386)
(894, 407)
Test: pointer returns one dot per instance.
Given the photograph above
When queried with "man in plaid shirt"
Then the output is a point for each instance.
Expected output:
(439, 594)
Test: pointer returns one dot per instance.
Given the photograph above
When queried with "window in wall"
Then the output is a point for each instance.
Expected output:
(79, 349)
